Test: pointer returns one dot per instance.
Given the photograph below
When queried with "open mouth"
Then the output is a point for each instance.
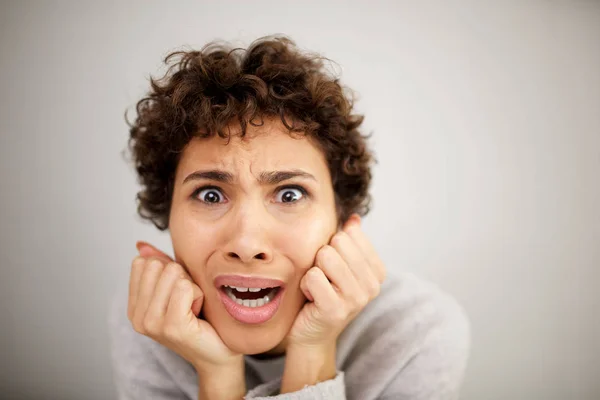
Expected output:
(251, 297)
(250, 300)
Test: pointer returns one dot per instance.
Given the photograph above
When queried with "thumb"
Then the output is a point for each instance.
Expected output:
(305, 289)
(147, 250)
(198, 300)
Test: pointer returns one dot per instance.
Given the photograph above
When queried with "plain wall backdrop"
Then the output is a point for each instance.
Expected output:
(486, 124)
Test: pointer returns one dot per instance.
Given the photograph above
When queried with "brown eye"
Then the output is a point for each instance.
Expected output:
(289, 195)
(210, 195)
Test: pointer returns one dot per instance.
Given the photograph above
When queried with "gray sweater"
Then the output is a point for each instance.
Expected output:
(410, 343)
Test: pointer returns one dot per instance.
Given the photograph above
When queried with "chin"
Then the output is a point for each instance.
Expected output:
(251, 340)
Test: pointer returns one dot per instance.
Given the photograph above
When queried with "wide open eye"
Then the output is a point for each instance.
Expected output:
(210, 195)
(290, 195)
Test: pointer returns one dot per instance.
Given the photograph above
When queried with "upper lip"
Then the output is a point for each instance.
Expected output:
(247, 281)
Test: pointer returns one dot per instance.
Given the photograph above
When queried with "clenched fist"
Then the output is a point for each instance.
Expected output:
(164, 304)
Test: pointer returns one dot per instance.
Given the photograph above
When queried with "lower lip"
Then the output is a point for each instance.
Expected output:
(254, 315)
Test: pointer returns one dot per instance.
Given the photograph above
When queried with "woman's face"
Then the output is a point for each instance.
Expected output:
(256, 207)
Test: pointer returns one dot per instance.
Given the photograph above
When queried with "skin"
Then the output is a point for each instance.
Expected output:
(250, 227)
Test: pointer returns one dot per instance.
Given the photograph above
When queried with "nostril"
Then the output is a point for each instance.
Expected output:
(259, 256)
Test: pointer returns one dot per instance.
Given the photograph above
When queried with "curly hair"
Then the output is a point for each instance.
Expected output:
(205, 91)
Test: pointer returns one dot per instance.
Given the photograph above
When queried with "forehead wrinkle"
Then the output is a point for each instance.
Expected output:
(248, 158)
(250, 164)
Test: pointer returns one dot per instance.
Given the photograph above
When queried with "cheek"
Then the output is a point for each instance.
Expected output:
(192, 241)
(301, 241)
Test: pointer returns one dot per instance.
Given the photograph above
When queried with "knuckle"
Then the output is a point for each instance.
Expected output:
(324, 254)
(183, 286)
(138, 262)
(154, 263)
(364, 300)
(319, 258)
(173, 268)
(150, 325)
(360, 300)
(313, 275)
(138, 326)
(338, 239)
(374, 289)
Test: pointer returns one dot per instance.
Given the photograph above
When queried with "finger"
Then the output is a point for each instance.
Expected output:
(336, 270)
(137, 268)
(305, 290)
(185, 294)
(315, 283)
(162, 293)
(146, 250)
(152, 271)
(356, 261)
(354, 230)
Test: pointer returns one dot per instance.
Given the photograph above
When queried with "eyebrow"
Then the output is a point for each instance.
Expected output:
(265, 178)
(212, 175)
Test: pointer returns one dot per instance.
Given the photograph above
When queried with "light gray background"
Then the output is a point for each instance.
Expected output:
(486, 121)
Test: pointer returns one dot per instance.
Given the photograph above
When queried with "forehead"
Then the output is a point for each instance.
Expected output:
(263, 148)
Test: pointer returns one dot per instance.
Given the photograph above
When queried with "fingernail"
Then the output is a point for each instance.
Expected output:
(142, 248)
(354, 219)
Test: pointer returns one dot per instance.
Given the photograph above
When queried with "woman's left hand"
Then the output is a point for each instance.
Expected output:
(348, 274)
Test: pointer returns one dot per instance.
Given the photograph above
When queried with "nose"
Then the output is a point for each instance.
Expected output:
(248, 240)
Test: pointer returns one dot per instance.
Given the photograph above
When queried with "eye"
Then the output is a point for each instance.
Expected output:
(290, 195)
(209, 195)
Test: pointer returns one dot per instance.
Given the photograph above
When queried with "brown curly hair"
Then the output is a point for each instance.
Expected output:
(204, 91)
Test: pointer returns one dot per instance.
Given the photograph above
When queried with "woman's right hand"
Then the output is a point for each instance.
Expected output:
(164, 304)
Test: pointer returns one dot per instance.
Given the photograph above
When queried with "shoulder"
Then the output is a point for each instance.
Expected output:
(415, 335)
(423, 308)
(125, 341)
(413, 309)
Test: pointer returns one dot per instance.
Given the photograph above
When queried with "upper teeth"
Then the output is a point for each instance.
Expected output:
(247, 302)
(245, 289)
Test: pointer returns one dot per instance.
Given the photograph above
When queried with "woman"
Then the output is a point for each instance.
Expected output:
(254, 163)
